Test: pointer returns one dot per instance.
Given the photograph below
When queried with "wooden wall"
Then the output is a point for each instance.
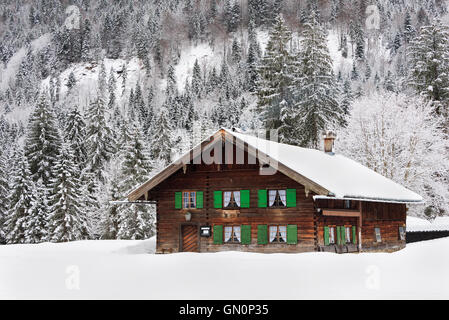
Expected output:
(246, 177)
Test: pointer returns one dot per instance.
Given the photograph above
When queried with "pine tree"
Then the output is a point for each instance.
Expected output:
(316, 92)
(161, 140)
(36, 222)
(75, 135)
(99, 144)
(68, 219)
(71, 82)
(112, 83)
(197, 81)
(429, 64)
(20, 201)
(275, 72)
(4, 189)
(42, 142)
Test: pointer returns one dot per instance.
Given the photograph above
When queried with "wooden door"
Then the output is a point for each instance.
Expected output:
(189, 238)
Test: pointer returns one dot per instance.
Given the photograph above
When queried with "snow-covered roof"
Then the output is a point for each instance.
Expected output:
(330, 175)
(415, 224)
(342, 177)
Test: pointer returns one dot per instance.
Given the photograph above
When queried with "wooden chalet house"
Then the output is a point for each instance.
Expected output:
(242, 193)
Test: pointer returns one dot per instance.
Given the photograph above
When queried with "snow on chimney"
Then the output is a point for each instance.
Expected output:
(329, 139)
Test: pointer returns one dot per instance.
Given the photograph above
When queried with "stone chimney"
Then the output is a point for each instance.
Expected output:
(329, 139)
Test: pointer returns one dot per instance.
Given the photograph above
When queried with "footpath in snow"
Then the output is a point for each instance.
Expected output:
(131, 270)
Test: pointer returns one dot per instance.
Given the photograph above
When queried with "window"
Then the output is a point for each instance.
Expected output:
(348, 234)
(348, 204)
(277, 198)
(278, 234)
(401, 233)
(232, 234)
(189, 199)
(377, 234)
(331, 235)
(231, 199)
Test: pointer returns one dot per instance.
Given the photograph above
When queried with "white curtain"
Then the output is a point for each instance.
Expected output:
(237, 233)
(237, 197)
(186, 199)
(273, 233)
(272, 197)
(228, 234)
(282, 234)
(331, 235)
(283, 196)
(192, 200)
(227, 198)
(348, 234)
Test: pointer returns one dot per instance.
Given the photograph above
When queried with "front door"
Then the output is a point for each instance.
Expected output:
(189, 238)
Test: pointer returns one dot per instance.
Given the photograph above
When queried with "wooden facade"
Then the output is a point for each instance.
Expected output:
(305, 225)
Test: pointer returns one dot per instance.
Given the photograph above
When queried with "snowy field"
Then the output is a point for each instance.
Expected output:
(129, 269)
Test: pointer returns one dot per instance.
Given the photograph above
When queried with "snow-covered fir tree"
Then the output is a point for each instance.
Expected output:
(68, 219)
(316, 92)
(42, 142)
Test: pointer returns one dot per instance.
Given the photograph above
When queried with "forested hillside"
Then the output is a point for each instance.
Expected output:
(97, 96)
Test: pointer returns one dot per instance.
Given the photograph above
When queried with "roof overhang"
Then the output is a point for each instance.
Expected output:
(221, 135)
(321, 197)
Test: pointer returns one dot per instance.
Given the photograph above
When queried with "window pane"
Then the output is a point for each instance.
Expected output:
(237, 233)
(348, 234)
(185, 197)
(192, 199)
(331, 235)
(271, 197)
(237, 198)
(228, 234)
(273, 233)
(378, 237)
(283, 197)
(227, 198)
(282, 233)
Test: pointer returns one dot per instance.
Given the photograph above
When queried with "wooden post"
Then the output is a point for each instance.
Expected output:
(360, 226)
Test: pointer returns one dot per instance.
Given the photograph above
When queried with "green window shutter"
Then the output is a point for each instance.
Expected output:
(262, 234)
(178, 200)
(292, 234)
(326, 236)
(262, 198)
(354, 235)
(246, 234)
(218, 234)
(291, 198)
(343, 235)
(338, 235)
(199, 199)
(218, 199)
(244, 198)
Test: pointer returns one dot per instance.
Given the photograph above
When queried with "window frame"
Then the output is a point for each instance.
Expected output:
(377, 240)
(276, 205)
(190, 199)
(348, 234)
(332, 230)
(403, 234)
(347, 204)
(232, 233)
(278, 233)
(232, 200)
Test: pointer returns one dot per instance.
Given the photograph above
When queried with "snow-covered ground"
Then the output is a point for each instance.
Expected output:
(129, 269)
(416, 224)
